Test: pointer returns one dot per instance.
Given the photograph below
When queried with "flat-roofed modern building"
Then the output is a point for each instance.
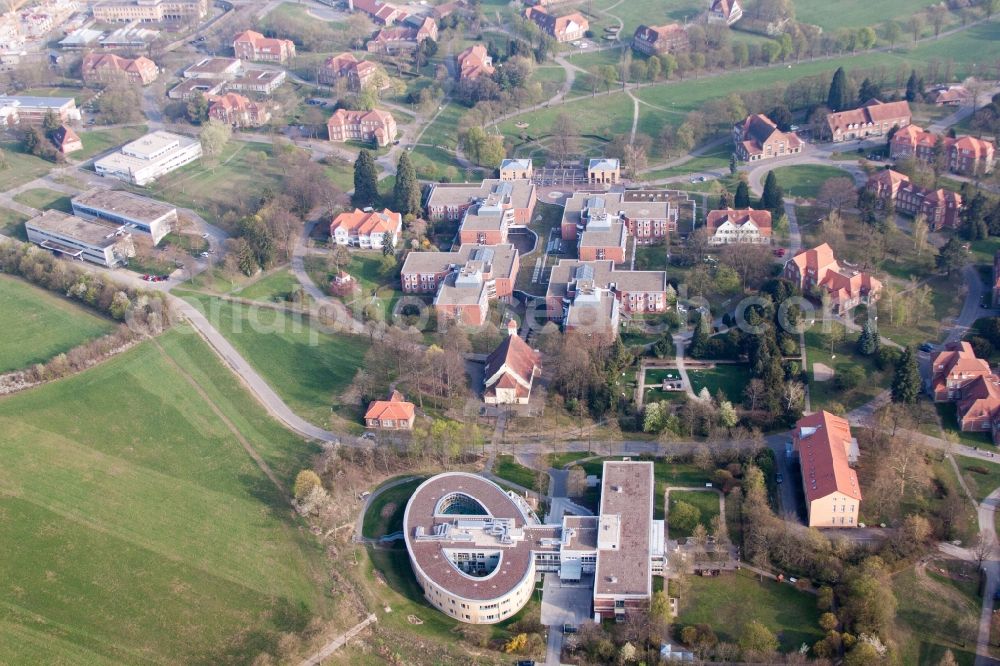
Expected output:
(147, 215)
(476, 550)
(144, 160)
(69, 236)
(29, 110)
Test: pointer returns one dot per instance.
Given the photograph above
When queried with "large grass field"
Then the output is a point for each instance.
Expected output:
(37, 325)
(854, 13)
(727, 602)
(135, 528)
(730, 379)
(307, 368)
(274, 287)
(934, 615)
(805, 180)
(669, 102)
(20, 167)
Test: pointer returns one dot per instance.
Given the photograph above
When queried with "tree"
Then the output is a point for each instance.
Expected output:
(772, 198)
(565, 137)
(837, 193)
(948, 659)
(664, 347)
(914, 87)
(365, 180)
(915, 25)
(893, 31)
(862, 654)
(701, 338)
(838, 98)
(981, 548)
(684, 516)
(868, 341)
(906, 382)
(920, 231)
(866, 38)
(756, 640)
(659, 608)
(728, 417)
(869, 90)
(305, 481)
(732, 164)
(741, 199)
(406, 193)
(214, 136)
(953, 256)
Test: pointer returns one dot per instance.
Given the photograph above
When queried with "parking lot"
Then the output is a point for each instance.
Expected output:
(566, 603)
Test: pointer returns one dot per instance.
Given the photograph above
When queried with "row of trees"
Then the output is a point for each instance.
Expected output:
(406, 195)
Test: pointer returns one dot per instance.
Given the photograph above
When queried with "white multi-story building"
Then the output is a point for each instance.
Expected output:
(147, 215)
(69, 236)
(146, 159)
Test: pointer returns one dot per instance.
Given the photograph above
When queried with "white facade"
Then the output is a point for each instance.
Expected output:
(342, 236)
(151, 217)
(100, 243)
(728, 233)
(146, 159)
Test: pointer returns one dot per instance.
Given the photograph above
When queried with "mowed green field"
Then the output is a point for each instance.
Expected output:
(806, 180)
(307, 368)
(135, 528)
(39, 325)
(856, 13)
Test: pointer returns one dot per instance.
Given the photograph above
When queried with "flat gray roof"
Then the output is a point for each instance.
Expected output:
(94, 233)
(127, 204)
(458, 194)
(627, 492)
(437, 262)
(604, 274)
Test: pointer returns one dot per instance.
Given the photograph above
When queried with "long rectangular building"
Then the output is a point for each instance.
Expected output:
(69, 236)
(144, 160)
(147, 215)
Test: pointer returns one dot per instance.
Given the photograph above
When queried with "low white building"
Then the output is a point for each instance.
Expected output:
(117, 207)
(147, 158)
(728, 226)
(69, 236)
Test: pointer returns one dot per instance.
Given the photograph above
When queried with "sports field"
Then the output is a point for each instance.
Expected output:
(135, 527)
(38, 325)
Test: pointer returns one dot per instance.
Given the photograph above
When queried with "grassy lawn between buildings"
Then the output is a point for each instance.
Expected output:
(38, 325)
(726, 603)
(706, 502)
(103, 573)
(44, 199)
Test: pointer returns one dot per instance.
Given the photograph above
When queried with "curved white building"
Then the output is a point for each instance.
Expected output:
(477, 550)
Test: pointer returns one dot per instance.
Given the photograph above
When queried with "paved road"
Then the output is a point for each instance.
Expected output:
(987, 522)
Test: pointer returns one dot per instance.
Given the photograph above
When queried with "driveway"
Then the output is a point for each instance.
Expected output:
(564, 603)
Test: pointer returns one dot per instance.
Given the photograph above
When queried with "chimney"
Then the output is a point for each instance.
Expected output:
(511, 327)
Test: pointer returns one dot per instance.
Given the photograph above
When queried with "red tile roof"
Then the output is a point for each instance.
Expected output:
(520, 360)
(760, 218)
(473, 62)
(394, 408)
(823, 442)
(872, 112)
(365, 224)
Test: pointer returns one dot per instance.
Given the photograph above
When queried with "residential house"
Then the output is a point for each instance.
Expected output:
(450, 201)
(978, 409)
(237, 110)
(730, 226)
(392, 414)
(510, 370)
(105, 68)
(566, 28)
(941, 207)
(425, 272)
(593, 295)
(474, 62)
(66, 140)
(516, 169)
(728, 11)
(345, 67)
(253, 46)
(366, 229)
(953, 369)
(375, 126)
(395, 39)
(965, 155)
(826, 450)
(758, 138)
(818, 269)
(660, 39)
(873, 118)
(949, 96)
(604, 171)
(382, 13)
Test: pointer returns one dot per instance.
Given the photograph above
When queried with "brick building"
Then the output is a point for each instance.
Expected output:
(105, 68)
(818, 269)
(758, 138)
(941, 207)
(592, 295)
(375, 126)
(251, 45)
(425, 272)
(450, 201)
(965, 155)
(567, 28)
(874, 118)
(660, 39)
(237, 110)
(474, 62)
(345, 67)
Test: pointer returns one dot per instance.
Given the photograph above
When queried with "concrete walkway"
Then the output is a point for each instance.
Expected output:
(317, 658)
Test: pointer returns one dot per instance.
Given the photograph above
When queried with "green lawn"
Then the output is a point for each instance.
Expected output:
(97, 141)
(664, 474)
(146, 532)
(706, 502)
(274, 287)
(20, 167)
(854, 13)
(307, 368)
(934, 616)
(443, 131)
(725, 603)
(44, 199)
(805, 180)
(559, 460)
(507, 467)
(236, 180)
(717, 159)
(385, 513)
(37, 324)
(12, 224)
(730, 379)
(949, 424)
(982, 477)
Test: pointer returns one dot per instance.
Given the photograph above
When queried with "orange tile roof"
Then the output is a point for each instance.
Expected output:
(739, 217)
(394, 408)
(365, 224)
(823, 441)
(472, 62)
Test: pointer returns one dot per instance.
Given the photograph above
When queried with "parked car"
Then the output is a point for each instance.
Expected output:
(926, 347)
(779, 251)
(780, 478)
(370, 436)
